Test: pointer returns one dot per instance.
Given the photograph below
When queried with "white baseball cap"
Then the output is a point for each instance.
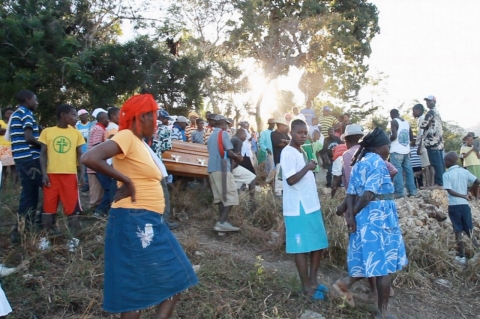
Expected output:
(97, 111)
(431, 98)
(81, 112)
(181, 119)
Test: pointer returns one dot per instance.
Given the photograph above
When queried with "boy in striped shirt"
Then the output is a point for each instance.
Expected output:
(24, 135)
(416, 164)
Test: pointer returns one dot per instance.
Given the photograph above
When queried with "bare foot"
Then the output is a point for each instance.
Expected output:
(309, 291)
(341, 289)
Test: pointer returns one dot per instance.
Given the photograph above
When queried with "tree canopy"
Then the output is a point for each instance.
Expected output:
(70, 51)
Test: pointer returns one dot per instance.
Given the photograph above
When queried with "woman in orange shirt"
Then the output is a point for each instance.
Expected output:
(144, 263)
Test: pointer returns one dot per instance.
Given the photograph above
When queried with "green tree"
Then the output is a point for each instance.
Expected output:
(285, 102)
(328, 39)
(202, 26)
(67, 52)
(452, 136)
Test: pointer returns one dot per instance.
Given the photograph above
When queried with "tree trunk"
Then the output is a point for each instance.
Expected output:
(258, 117)
(216, 110)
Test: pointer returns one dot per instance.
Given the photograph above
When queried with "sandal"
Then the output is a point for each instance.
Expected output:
(318, 296)
(322, 288)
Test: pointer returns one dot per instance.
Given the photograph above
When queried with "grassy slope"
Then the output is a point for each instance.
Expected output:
(234, 283)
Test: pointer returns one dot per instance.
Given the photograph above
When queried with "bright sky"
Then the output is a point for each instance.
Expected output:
(425, 47)
(430, 47)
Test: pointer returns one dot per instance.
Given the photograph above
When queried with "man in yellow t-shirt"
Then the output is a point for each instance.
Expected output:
(60, 154)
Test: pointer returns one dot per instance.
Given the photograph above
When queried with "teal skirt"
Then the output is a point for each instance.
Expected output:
(305, 233)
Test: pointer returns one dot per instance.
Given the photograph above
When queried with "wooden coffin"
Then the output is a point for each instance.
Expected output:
(187, 159)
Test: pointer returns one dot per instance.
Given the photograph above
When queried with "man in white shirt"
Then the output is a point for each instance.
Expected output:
(113, 117)
(400, 154)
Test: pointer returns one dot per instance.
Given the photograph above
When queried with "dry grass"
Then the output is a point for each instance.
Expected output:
(61, 284)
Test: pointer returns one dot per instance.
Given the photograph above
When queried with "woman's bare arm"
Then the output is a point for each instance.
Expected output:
(96, 157)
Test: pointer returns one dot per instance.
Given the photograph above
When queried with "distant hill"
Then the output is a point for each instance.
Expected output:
(475, 128)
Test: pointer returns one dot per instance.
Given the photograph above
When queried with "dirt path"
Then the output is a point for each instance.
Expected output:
(437, 302)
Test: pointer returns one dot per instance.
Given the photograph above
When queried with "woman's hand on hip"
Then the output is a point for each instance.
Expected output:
(125, 191)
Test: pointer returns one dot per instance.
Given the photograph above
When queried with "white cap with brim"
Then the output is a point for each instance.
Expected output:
(352, 129)
(98, 111)
(181, 119)
(81, 112)
(281, 120)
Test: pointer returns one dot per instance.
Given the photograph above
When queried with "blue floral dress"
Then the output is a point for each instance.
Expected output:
(376, 248)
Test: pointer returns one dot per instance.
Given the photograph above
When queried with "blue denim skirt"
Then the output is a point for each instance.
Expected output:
(144, 263)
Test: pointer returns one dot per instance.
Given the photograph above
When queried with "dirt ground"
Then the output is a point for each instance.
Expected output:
(241, 275)
(432, 303)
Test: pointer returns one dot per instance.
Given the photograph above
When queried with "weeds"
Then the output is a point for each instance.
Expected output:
(60, 284)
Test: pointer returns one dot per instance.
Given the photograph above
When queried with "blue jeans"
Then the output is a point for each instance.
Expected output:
(329, 174)
(106, 183)
(166, 196)
(436, 160)
(30, 176)
(402, 164)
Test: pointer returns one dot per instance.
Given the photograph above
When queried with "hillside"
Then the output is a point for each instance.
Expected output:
(247, 275)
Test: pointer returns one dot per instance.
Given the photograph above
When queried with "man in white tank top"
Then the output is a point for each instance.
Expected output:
(400, 155)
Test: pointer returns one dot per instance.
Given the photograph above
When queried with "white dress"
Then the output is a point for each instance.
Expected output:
(5, 308)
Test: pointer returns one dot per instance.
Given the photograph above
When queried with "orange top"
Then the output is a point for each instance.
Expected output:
(136, 163)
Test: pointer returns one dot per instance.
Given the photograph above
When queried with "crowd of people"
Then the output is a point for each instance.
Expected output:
(117, 158)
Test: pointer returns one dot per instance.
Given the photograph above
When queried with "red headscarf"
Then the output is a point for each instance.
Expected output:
(133, 107)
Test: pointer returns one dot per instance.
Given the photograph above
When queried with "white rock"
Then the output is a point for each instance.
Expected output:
(199, 253)
(443, 282)
(196, 268)
(311, 315)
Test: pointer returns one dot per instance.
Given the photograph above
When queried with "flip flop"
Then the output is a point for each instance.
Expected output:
(345, 295)
(318, 296)
(322, 288)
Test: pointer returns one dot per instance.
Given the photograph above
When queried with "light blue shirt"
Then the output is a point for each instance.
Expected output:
(309, 115)
(457, 179)
(214, 159)
(266, 140)
(85, 130)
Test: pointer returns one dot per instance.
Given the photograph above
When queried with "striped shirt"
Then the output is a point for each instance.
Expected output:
(188, 131)
(97, 136)
(208, 132)
(327, 122)
(22, 119)
(414, 158)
